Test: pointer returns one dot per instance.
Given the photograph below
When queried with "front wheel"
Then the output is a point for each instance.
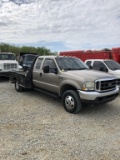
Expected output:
(18, 87)
(71, 102)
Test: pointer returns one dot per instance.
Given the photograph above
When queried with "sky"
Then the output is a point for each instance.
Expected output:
(61, 25)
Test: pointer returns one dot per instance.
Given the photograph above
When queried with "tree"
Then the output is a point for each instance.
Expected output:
(4, 47)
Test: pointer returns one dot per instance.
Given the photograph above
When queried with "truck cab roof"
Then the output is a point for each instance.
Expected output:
(98, 60)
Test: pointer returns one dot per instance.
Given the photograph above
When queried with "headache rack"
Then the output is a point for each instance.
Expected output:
(102, 85)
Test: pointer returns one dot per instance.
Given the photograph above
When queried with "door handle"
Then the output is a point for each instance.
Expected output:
(40, 74)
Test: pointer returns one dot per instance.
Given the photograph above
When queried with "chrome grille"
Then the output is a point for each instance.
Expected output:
(8, 66)
(105, 84)
(118, 82)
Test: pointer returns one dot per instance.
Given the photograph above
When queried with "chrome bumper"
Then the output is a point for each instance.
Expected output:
(85, 95)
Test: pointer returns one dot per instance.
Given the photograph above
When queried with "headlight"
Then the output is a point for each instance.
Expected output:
(88, 86)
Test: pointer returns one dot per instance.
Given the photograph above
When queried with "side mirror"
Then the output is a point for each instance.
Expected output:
(46, 69)
(103, 69)
(56, 71)
(90, 67)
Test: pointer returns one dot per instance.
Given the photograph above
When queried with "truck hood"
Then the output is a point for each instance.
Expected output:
(88, 75)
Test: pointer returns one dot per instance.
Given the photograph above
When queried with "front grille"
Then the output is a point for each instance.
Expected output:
(105, 84)
(118, 82)
(8, 66)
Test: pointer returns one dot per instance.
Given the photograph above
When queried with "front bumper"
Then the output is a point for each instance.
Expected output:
(98, 97)
(4, 74)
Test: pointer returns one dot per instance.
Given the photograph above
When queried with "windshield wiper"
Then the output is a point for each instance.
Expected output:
(68, 69)
(74, 69)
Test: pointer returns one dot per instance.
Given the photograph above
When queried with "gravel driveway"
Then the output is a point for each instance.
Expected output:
(34, 126)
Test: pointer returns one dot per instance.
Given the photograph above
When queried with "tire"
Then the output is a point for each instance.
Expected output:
(18, 87)
(71, 102)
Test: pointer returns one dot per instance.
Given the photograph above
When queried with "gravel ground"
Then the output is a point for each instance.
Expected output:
(34, 126)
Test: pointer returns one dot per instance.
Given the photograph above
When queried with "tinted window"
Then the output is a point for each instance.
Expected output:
(88, 63)
(51, 64)
(7, 57)
(38, 64)
(30, 57)
(69, 63)
(97, 65)
(112, 65)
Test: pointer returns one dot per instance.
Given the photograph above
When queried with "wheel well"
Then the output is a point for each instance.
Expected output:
(66, 88)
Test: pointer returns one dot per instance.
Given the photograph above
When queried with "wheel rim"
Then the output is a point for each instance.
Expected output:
(69, 102)
(17, 85)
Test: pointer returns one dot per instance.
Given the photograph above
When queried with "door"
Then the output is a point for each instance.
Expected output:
(47, 81)
(37, 71)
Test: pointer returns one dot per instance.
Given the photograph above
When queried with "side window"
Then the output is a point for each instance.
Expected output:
(38, 64)
(97, 65)
(88, 63)
(51, 64)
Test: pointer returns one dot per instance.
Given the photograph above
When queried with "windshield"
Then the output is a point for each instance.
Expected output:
(112, 65)
(30, 58)
(69, 63)
(7, 57)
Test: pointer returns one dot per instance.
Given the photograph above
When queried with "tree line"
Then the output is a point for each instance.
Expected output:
(16, 49)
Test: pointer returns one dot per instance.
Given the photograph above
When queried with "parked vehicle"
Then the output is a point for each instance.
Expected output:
(8, 63)
(113, 54)
(25, 59)
(109, 66)
(67, 78)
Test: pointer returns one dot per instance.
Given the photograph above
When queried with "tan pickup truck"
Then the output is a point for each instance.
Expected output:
(67, 78)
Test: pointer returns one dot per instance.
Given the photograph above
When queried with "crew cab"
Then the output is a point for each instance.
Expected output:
(67, 78)
(105, 65)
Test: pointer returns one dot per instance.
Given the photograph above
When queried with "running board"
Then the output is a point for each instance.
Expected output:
(45, 92)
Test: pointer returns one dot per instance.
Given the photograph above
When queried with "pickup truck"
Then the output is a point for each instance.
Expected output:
(105, 65)
(67, 78)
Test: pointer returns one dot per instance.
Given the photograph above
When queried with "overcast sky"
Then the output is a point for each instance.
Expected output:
(61, 24)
